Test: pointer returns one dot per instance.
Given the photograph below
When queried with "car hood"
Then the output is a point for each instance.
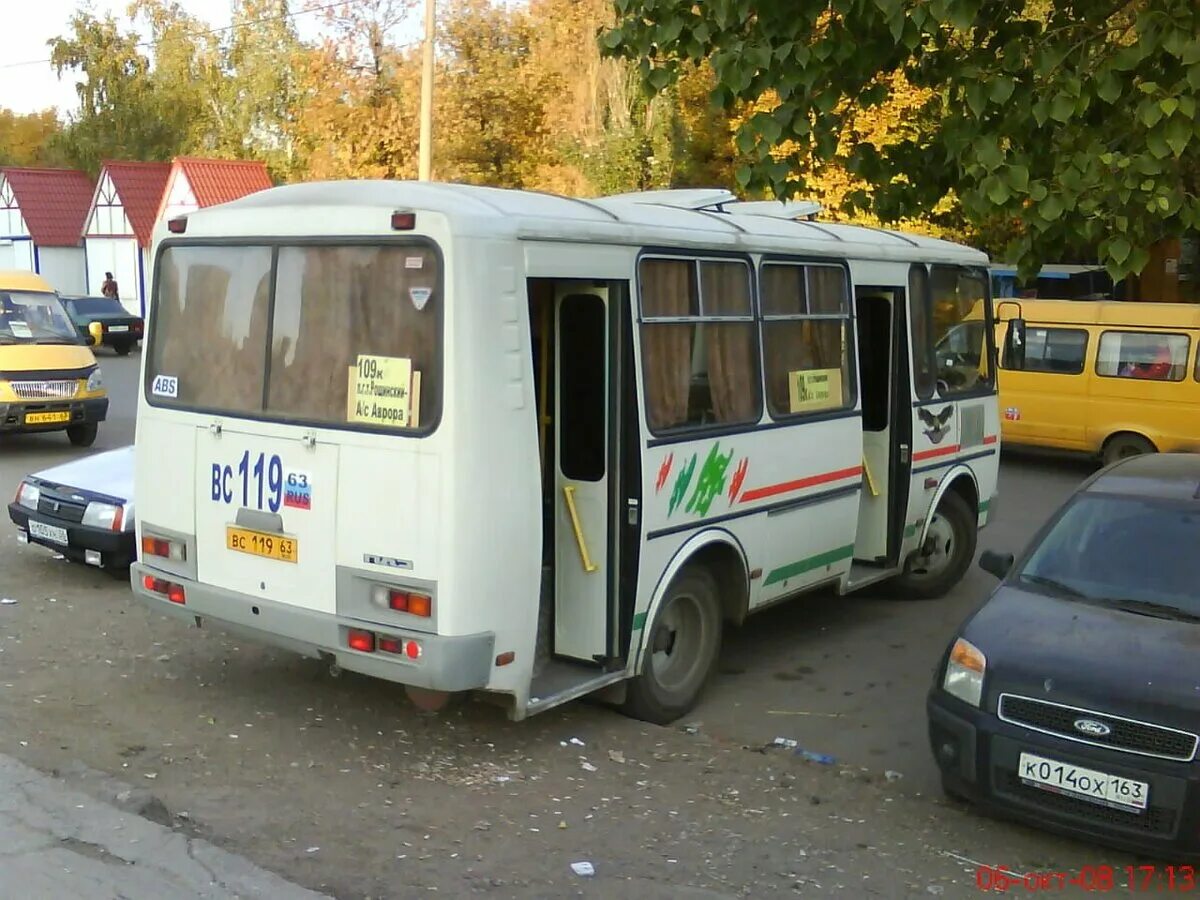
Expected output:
(45, 357)
(107, 475)
(1079, 654)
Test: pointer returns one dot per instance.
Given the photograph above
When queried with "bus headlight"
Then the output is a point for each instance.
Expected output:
(103, 515)
(964, 672)
(95, 381)
(28, 495)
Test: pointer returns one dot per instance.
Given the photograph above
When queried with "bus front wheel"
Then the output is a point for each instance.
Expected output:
(946, 554)
(682, 647)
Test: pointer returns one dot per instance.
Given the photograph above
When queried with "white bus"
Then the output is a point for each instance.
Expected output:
(469, 439)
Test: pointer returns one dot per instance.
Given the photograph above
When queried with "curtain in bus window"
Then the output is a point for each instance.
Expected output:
(668, 290)
(732, 369)
(334, 304)
(210, 331)
(827, 296)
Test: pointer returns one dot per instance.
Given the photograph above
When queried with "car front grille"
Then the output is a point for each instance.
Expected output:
(45, 390)
(1126, 735)
(1157, 820)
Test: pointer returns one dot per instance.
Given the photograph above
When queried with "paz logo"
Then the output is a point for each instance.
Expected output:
(937, 425)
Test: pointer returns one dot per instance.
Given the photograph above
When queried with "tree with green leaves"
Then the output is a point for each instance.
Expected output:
(122, 113)
(1071, 123)
(29, 140)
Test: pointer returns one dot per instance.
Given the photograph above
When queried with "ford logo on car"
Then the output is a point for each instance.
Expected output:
(1092, 728)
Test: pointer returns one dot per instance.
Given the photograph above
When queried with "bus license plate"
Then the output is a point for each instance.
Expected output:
(47, 418)
(259, 543)
(1086, 784)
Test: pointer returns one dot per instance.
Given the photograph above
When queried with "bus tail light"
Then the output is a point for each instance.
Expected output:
(403, 220)
(173, 592)
(362, 641)
(161, 547)
(410, 602)
(178, 225)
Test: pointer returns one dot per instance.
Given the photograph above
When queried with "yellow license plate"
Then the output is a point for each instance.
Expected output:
(47, 418)
(260, 543)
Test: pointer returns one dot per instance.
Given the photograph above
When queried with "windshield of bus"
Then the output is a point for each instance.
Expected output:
(334, 335)
(34, 317)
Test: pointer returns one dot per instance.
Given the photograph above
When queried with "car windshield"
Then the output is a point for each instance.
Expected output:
(1139, 553)
(34, 317)
(98, 306)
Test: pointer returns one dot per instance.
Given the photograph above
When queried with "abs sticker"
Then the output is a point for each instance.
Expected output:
(165, 386)
(297, 490)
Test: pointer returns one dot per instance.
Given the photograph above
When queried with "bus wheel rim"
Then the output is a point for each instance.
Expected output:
(938, 550)
(677, 642)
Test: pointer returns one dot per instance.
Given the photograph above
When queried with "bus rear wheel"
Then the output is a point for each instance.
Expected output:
(1123, 446)
(683, 644)
(942, 560)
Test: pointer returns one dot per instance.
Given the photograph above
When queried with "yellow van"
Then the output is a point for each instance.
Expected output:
(1110, 378)
(49, 380)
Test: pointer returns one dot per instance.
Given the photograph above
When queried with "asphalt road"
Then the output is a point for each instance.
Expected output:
(265, 754)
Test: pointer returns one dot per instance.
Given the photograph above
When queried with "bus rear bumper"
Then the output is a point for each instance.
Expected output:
(442, 663)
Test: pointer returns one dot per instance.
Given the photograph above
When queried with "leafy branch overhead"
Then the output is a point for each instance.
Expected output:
(1074, 121)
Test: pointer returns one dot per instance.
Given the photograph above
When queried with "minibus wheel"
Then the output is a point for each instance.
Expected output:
(682, 647)
(1123, 446)
(942, 560)
(82, 435)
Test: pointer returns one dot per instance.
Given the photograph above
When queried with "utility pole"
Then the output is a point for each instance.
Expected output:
(425, 164)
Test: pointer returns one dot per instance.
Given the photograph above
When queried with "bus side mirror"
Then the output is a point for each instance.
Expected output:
(1014, 344)
(95, 334)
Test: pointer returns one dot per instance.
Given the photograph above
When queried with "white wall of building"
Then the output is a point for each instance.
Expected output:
(119, 256)
(16, 254)
(65, 268)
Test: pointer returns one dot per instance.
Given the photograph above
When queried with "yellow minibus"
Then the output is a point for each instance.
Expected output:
(1109, 378)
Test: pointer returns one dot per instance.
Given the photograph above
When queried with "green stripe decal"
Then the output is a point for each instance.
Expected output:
(983, 507)
(807, 565)
(910, 531)
(639, 621)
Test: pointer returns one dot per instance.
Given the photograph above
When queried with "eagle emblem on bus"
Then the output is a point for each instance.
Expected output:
(937, 425)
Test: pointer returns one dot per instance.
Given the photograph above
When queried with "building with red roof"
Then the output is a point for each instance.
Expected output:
(120, 225)
(42, 212)
(199, 183)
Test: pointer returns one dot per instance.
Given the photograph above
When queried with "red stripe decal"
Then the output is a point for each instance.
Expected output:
(935, 452)
(990, 439)
(786, 487)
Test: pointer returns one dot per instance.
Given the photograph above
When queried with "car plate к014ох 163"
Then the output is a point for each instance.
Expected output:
(1086, 784)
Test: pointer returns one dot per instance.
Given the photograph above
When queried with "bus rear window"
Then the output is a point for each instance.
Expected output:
(334, 335)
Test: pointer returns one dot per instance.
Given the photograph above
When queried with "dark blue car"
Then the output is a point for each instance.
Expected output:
(1071, 698)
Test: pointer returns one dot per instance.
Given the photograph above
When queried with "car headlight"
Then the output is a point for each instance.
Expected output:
(28, 495)
(104, 515)
(95, 380)
(964, 672)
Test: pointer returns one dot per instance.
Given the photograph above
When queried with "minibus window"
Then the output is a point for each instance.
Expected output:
(924, 376)
(1143, 355)
(1058, 350)
(354, 338)
(806, 311)
(960, 336)
(699, 358)
(210, 328)
(335, 305)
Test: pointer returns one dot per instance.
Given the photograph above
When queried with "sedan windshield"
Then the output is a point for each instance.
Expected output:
(1136, 553)
(28, 317)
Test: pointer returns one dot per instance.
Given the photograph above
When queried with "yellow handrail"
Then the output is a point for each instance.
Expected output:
(870, 480)
(585, 558)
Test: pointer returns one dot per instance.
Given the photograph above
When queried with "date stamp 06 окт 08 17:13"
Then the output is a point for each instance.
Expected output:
(1130, 879)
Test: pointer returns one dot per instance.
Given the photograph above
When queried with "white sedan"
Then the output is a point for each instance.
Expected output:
(81, 509)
